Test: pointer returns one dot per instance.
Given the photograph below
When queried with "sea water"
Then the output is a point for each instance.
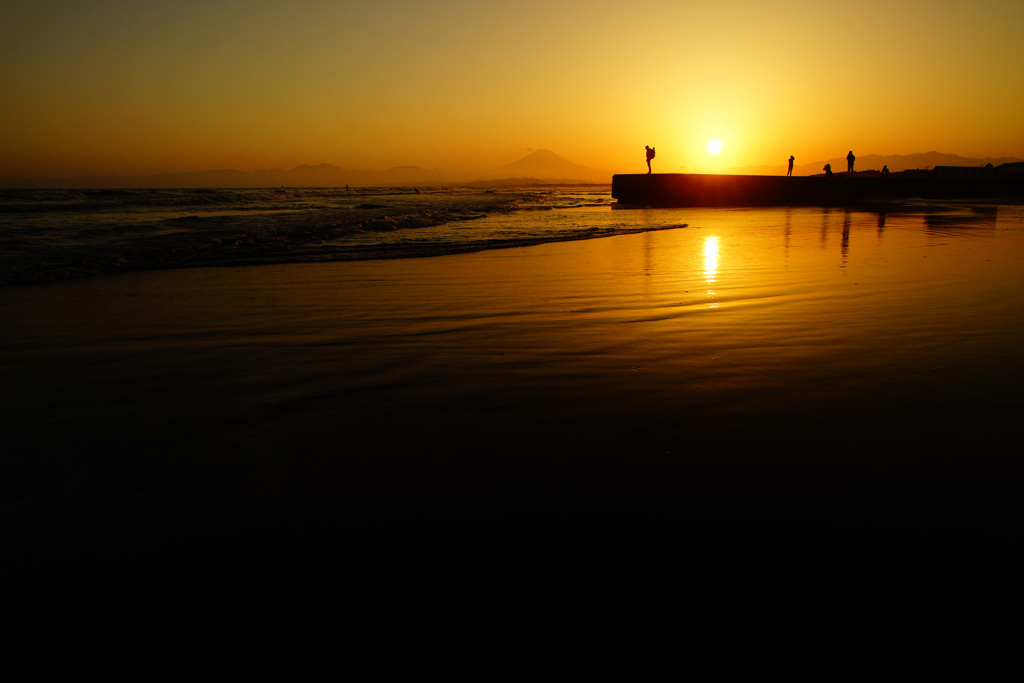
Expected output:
(596, 336)
(60, 234)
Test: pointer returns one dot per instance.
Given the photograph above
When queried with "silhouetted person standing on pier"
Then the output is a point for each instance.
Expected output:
(791, 159)
(650, 155)
(849, 161)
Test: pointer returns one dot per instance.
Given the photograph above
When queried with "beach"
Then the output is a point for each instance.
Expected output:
(770, 421)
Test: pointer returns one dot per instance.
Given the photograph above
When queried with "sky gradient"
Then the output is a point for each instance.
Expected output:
(113, 87)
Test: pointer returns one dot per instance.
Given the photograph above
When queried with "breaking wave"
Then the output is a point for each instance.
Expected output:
(50, 235)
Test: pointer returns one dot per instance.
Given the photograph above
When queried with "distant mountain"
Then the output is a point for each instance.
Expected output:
(322, 175)
(545, 164)
(540, 166)
(895, 162)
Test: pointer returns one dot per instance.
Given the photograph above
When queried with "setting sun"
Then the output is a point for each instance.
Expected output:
(714, 146)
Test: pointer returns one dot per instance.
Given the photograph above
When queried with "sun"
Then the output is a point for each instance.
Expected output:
(714, 146)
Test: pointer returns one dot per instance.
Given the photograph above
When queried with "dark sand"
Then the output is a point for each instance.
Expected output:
(669, 445)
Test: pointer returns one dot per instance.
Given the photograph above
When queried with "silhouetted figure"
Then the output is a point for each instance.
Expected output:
(650, 155)
(885, 170)
(849, 161)
(828, 170)
(791, 160)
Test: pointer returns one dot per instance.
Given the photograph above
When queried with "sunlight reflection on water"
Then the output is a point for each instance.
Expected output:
(749, 320)
(711, 267)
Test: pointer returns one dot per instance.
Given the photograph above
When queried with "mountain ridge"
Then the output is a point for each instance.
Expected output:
(540, 166)
(537, 167)
(895, 162)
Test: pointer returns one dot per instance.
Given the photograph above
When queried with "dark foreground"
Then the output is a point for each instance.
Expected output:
(537, 549)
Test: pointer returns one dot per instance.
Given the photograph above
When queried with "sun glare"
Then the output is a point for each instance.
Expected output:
(714, 146)
(710, 259)
(711, 269)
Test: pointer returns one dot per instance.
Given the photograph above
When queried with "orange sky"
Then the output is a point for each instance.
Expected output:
(115, 87)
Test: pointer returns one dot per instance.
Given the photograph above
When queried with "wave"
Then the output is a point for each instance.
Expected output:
(59, 234)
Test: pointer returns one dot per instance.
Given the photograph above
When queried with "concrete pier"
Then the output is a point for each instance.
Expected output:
(691, 189)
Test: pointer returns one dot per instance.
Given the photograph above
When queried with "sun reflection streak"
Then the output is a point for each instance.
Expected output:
(711, 267)
(710, 259)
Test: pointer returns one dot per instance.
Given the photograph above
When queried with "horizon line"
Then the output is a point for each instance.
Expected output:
(465, 177)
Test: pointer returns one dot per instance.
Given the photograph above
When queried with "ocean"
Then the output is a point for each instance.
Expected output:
(59, 234)
(455, 425)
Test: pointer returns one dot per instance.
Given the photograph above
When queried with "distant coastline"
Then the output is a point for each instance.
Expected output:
(875, 162)
(541, 167)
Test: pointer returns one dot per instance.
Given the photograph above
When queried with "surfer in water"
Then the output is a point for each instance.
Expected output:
(650, 155)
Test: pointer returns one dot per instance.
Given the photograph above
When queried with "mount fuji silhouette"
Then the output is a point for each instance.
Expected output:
(546, 165)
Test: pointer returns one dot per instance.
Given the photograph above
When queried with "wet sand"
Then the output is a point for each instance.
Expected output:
(717, 436)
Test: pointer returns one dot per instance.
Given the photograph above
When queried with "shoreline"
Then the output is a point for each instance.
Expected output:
(49, 239)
